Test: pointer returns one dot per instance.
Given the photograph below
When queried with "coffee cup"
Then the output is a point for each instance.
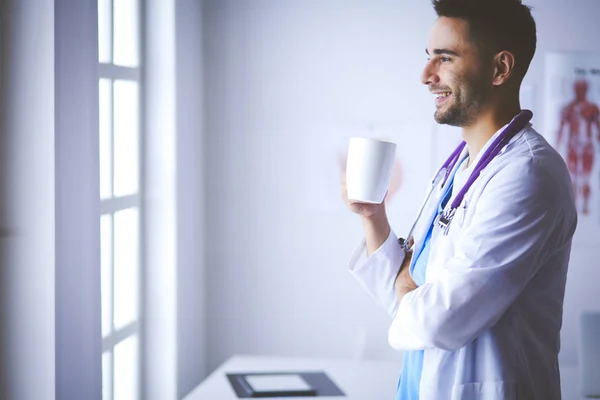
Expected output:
(369, 169)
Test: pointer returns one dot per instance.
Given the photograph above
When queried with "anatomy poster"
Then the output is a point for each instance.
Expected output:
(572, 125)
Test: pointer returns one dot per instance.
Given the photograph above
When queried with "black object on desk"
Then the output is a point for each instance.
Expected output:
(282, 384)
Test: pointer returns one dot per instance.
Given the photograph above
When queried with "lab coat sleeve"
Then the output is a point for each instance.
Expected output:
(495, 256)
(377, 272)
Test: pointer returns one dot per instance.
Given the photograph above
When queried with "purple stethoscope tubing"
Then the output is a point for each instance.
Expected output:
(517, 124)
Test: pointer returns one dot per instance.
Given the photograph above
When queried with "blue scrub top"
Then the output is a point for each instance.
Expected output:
(412, 366)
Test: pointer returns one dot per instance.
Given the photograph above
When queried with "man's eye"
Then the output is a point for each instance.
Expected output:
(445, 59)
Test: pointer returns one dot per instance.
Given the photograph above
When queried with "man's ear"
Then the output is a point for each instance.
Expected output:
(504, 65)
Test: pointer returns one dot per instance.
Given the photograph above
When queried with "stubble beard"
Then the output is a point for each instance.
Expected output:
(457, 114)
(466, 105)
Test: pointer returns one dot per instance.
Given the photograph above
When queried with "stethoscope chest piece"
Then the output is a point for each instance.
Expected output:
(445, 218)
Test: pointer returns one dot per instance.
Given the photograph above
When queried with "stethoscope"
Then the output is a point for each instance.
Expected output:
(444, 218)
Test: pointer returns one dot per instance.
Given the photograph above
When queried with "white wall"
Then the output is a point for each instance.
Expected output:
(285, 80)
(27, 317)
(78, 344)
(191, 330)
(50, 344)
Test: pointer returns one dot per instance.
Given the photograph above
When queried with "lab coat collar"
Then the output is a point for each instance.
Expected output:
(491, 140)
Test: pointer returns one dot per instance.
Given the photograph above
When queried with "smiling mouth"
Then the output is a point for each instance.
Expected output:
(441, 98)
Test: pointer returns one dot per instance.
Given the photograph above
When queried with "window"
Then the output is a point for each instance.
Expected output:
(119, 101)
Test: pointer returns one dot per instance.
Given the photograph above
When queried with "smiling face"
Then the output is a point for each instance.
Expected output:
(456, 74)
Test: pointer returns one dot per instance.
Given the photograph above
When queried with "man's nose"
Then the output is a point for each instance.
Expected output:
(429, 75)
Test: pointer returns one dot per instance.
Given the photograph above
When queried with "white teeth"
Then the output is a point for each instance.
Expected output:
(442, 95)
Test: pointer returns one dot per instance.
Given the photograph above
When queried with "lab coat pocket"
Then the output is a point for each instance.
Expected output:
(493, 390)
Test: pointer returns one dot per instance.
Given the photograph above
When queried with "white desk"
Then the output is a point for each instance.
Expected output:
(364, 380)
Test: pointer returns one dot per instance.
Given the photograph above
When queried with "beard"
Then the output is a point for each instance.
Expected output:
(467, 102)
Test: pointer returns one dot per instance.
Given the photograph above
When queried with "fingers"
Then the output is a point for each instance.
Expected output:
(344, 193)
(354, 206)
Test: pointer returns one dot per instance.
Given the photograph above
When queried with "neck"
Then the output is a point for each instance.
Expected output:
(486, 125)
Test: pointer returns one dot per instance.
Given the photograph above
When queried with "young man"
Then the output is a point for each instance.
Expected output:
(476, 304)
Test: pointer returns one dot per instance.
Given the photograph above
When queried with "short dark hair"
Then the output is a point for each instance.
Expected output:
(496, 25)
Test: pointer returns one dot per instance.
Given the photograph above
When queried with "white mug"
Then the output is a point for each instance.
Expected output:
(369, 169)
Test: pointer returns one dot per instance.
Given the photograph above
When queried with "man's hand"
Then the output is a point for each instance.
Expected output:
(404, 282)
(365, 210)
(373, 216)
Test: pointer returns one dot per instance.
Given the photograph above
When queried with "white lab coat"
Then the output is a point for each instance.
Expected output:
(489, 314)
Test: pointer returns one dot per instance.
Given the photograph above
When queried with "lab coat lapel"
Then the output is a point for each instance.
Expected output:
(430, 212)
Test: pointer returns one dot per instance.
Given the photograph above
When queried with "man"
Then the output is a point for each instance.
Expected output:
(477, 307)
(580, 116)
